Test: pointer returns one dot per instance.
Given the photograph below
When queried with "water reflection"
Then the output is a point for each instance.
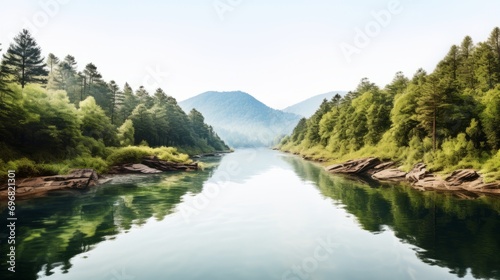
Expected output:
(53, 229)
(457, 234)
(274, 207)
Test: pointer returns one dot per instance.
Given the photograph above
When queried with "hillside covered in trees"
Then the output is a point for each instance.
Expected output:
(52, 112)
(449, 118)
(242, 120)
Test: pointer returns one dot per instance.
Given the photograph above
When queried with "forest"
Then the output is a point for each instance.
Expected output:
(55, 116)
(448, 119)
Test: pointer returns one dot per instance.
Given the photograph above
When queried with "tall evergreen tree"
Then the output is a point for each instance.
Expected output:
(117, 99)
(90, 77)
(466, 75)
(430, 103)
(23, 60)
(3, 80)
(494, 42)
(52, 62)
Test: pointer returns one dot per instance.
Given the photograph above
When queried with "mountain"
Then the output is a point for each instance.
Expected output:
(240, 119)
(307, 107)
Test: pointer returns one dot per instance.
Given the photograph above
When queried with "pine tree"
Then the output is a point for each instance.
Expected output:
(485, 68)
(430, 104)
(3, 81)
(90, 76)
(117, 99)
(52, 62)
(494, 42)
(466, 68)
(23, 60)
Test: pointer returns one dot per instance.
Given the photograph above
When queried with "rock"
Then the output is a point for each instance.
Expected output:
(152, 165)
(78, 179)
(463, 183)
(459, 177)
(392, 174)
(358, 166)
(163, 165)
(418, 172)
(134, 168)
(430, 182)
(383, 166)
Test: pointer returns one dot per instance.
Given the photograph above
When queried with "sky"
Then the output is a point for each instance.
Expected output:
(281, 52)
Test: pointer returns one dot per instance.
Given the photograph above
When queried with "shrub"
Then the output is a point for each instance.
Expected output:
(24, 167)
(133, 154)
(128, 154)
(96, 163)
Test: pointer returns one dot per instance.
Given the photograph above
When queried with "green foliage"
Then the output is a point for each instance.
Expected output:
(134, 154)
(43, 132)
(95, 123)
(126, 133)
(448, 119)
(96, 163)
(23, 60)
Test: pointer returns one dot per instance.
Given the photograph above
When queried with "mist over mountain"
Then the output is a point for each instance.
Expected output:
(307, 107)
(240, 119)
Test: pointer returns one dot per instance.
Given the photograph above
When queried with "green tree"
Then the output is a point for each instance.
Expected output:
(431, 103)
(129, 103)
(448, 67)
(143, 97)
(90, 77)
(126, 133)
(143, 124)
(198, 123)
(494, 42)
(23, 60)
(466, 69)
(95, 123)
(485, 67)
(52, 62)
(4, 90)
(117, 99)
(490, 118)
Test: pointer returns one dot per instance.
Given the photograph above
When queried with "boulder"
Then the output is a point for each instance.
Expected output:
(418, 172)
(358, 166)
(153, 165)
(392, 174)
(163, 165)
(134, 168)
(78, 179)
(383, 166)
(459, 177)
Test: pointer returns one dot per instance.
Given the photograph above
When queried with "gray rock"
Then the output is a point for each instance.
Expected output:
(392, 174)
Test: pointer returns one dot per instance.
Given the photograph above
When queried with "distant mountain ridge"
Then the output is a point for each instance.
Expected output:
(307, 107)
(240, 119)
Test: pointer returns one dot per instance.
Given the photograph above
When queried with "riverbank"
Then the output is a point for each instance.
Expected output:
(464, 183)
(81, 179)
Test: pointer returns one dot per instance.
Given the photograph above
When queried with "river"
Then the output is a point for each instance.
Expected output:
(254, 214)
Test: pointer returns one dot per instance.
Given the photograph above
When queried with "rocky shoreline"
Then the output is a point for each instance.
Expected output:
(81, 179)
(465, 183)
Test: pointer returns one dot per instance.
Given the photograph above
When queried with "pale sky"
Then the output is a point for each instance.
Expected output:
(281, 52)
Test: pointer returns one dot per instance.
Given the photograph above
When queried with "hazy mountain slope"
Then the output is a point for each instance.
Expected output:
(240, 119)
(307, 107)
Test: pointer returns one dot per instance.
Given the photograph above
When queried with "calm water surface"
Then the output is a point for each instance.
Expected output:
(254, 214)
